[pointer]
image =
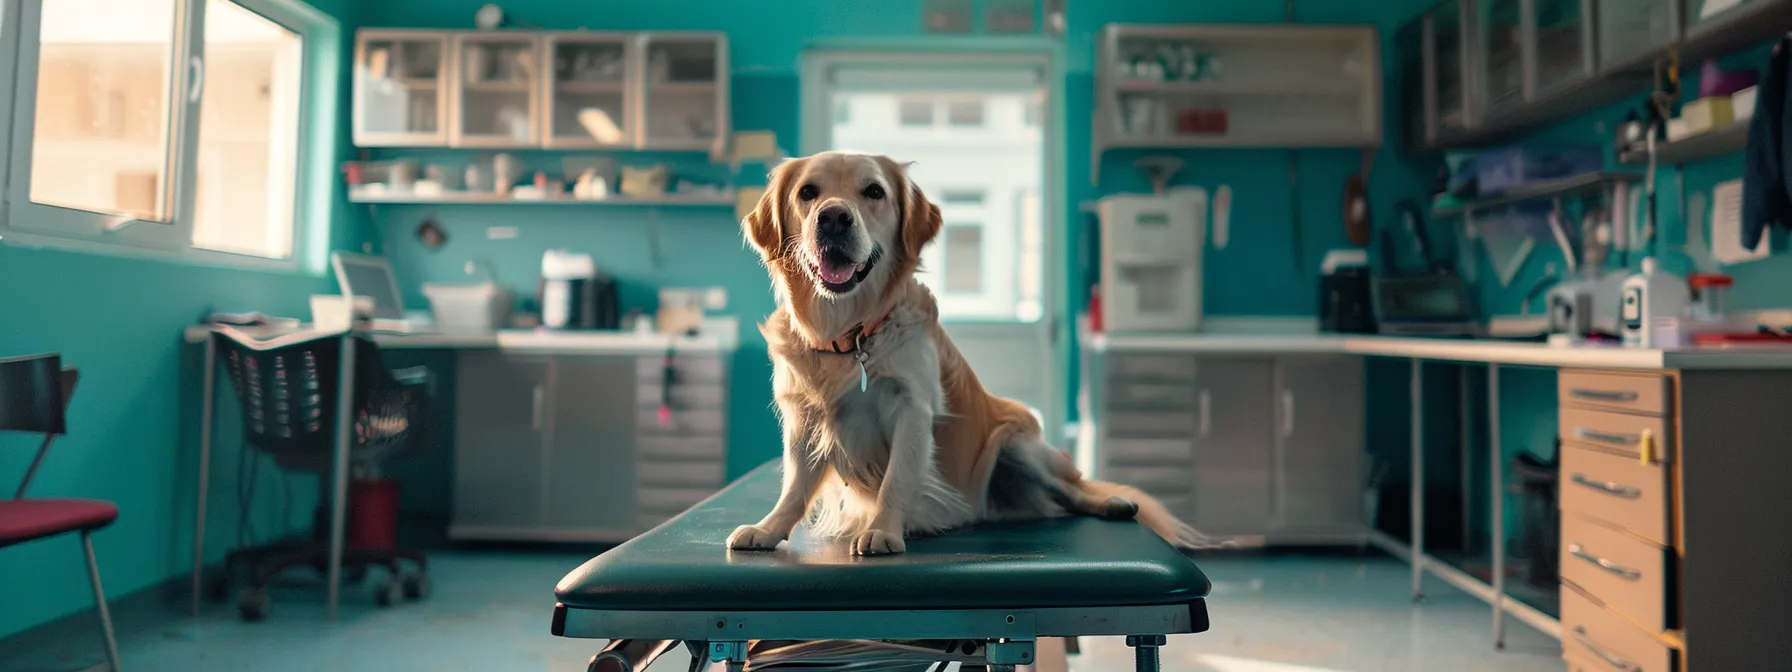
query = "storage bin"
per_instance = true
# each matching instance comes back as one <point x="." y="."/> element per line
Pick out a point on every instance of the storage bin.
<point x="477" y="308"/>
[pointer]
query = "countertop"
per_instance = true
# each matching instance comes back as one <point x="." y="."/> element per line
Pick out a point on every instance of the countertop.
<point x="1486" y="351"/>
<point x="539" y="341"/>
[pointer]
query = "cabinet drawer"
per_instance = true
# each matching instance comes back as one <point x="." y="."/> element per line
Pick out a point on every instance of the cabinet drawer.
<point x="1151" y="394"/>
<point x="1151" y="367"/>
<point x="1634" y="393"/>
<point x="670" y="501"/>
<point x="684" y="395"/>
<point x="1628" y="574"/>
<point x="1157" y="480"/>
<point x="679" y="474"/>
<point x="1615" y="431"/>
<point x="1590" y="633"/>
<point x="686" y="422"/>
<point x="697" y="448"/>
<point x="1617" y="490"/>
<point x="1150" y="424"/>
<point x="1156" y="451"/>
<point x="686" y="369"/>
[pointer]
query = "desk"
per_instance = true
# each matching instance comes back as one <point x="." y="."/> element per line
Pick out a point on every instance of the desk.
<point x="1714" y="415"/>
<point x="522" y="479"/>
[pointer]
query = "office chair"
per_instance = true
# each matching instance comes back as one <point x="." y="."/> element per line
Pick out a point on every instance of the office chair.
<point x="34" y="395"/>
<point x="287" y="391"/>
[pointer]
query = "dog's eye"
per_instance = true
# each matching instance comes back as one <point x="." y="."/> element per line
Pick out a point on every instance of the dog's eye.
<point x="808" y="192"/>
<point x="875" y="192"/>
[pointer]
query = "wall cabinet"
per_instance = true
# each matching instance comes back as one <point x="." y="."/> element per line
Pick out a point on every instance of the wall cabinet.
<point x="1245" y="446"/>
<point x="573" y="448"/>
<point x="542" y="89"/>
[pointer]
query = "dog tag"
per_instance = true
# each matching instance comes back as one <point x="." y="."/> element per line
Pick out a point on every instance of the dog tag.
<point x="863" y="379"/>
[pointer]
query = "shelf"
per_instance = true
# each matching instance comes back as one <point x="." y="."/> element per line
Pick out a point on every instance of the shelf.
<point x="1539" y="190"/>
<point x="1233" y="140"/>
<point x="1727" y="140"/>
<point x="588" y="87"/>
<point x="484" y="198"/>
<point x="1339" y="86"/>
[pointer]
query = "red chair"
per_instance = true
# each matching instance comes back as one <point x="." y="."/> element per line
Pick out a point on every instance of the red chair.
<point x="34" y="394"/>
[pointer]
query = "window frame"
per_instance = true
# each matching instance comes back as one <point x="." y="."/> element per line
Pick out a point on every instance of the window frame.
<point x="23" y="222"/>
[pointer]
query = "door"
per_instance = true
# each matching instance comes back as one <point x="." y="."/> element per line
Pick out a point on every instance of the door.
<point x="499" y="448"/>
<point x="973" y="124"/>
<point x="589" y="489"/>
<point x="1322" y="477"/>
<point x="1234" y="447"/>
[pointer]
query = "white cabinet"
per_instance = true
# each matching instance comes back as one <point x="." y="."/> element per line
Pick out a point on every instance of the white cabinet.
<point x="401" y="88"/>
<point x="587" y="90"/>
<point x="495" y="97"/>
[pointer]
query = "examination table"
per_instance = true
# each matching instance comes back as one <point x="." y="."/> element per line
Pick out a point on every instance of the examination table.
<point x="980" y="597"/>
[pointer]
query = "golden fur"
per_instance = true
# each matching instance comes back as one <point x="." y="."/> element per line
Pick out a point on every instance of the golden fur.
<point x="922" y="448"/>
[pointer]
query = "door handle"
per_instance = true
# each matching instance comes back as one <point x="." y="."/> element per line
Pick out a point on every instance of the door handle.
<point x="1602" y="395"/>
<point x="1607" y="487"/>
<point x="1610" y="567"/>
<point x="539" y="396"/>
<point x="197" y="67"/>
<point x="1580" y="633"/>
<point x="1206" y="413"/>
<point x="1287" y="413"/>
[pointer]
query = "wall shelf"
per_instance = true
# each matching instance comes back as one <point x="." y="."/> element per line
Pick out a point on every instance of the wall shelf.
<point x="1540" y="190"/>
<point x="1727" y="140"/>
<point x="483" y="198"/>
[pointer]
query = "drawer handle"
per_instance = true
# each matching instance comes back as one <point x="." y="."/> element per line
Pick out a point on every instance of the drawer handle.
<point x="1617" y="663"/>
<point x="1608" y="487"/>
<point x="536" y="399"/>
<point x="1610" y="567"/>
<point x="1626" y="440"/>
<point x="1206" y="413"/>
<point x="1602" y="395"/>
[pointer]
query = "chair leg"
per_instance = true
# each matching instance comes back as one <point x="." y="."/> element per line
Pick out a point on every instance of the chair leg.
<point x="99" y="600"/>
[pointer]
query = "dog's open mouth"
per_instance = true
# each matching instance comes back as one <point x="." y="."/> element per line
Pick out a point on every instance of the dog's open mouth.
<point x="838" y="275"/>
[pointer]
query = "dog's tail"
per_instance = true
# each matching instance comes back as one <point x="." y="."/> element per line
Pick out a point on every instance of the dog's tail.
<point x="1152" y="514"/>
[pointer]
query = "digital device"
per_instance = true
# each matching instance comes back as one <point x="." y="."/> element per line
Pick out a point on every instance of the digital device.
<point x="372" y="277"/>
<point x="1436" y="304"/>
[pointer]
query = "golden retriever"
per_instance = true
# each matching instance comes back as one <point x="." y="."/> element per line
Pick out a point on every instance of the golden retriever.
<point x="887" y="432"/>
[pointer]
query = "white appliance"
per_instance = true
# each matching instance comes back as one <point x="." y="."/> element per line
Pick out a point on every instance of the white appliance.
<point x="1151" y="260"/>
<point x="1654" y="301"/>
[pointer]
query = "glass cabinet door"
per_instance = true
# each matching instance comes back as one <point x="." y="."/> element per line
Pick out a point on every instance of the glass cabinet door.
<point x="1500" y="46"/>
<point x="1564" y="39"/>
<point x="1700" y="11"/>
<point x="1630" y="28"/>
<point x="1416" y="104"/>
<point x="684" y="87"/>
<point x="496" y="85"/>
<point x="587" y="91"/>
<point x="399" y="89"/>
<point x="1447" y="48"/>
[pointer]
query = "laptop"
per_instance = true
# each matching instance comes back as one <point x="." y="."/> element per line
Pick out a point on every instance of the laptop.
<point x="371" y="276"/>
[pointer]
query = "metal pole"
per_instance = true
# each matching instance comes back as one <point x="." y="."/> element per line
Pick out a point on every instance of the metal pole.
<point x="1497" y="483"/>
<point x="207" y="400"/>
<point x="1418" y="481"/>
<point x="99" y="600"/>
<point x="345" y="409"/>
<point x="1464" y="438"/>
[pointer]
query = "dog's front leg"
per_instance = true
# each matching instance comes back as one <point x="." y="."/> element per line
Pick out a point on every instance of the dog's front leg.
<point x="911" y="460"/>
<point x="801" y="476"/>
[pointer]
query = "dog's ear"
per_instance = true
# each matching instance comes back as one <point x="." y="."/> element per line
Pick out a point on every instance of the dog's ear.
<point x="920" y="217"/>
<point x="764" y="226"/>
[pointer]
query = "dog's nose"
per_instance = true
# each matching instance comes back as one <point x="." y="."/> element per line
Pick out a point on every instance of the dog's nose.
<point x="833" y="220"/>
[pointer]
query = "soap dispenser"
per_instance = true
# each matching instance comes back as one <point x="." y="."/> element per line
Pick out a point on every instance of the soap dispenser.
<point x="1650" y="296"/>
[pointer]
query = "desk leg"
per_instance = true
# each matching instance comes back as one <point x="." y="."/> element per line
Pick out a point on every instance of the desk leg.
<point x="1496" y="491"/>
<point x="345" y="419"/>
<point x="206" y="402"/>
<point x="1418" y="481"/>
<point x="1464" y="443"/>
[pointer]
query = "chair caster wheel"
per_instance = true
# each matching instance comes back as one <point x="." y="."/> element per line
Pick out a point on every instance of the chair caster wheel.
<point x="389" y="592"/>
<point x="253" y="605"/>
<point x="416" y="585"/>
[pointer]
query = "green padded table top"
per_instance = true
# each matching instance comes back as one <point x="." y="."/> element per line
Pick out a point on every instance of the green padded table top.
<point x="684" y="565"/>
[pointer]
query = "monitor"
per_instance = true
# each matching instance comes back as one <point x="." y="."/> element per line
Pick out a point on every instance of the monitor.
<point x="369" y="276"/>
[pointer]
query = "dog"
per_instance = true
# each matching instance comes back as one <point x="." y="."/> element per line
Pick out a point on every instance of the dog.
<point x="887" y="432"/>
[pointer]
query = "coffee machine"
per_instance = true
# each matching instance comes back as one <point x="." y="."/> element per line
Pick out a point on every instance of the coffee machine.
<point x="574" y="295"/>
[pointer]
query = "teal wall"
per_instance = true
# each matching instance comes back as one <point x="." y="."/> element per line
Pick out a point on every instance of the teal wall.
<point x="133" y="420"/>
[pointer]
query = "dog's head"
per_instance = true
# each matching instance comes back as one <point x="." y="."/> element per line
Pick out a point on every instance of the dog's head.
<point x="837" y="223"/>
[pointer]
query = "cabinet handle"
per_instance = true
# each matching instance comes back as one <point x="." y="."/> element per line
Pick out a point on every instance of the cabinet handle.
<point x="1607" y="487"/>
<point x="1610" y="567"/>
<point x="535" y="412"/>
<point x="1602" y="395"/>
<point x="1580" y="633"/>
<point x="197" y="66"/>
<point x="1287" y="413"/>
<point x="1206" y="415"/>
<point x="1625" y="440"/>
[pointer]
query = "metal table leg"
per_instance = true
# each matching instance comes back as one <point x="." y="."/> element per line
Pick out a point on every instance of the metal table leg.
<point x="1496" y="485"/>
<point x="1418" y="481"/>
<point x="207" y="401"/>
<point x="1464" y="443"/>
<point x="1144" y="648"/>
<point x="345" y="409"/>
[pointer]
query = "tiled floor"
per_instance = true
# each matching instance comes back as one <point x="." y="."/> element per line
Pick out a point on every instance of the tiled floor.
<point x="490" y="611"/>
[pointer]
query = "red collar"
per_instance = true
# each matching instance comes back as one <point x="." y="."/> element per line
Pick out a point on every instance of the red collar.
<point x="848" y="343"/>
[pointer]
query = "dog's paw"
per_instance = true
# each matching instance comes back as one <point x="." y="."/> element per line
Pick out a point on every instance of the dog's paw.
<point x="1120" y="508"/>
<point x="877" y="542"/>
<point x="752" y="538"/>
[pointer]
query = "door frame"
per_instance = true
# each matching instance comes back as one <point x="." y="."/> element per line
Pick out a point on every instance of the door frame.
<point x="816" y="113"/>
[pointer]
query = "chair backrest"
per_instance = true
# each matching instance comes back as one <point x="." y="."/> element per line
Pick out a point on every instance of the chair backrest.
<point x="288" y="393"/>
<point x="34" y="396"/>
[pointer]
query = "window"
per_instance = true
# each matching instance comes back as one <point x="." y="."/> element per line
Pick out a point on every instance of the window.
<point x="914" y="112"/>
<point x="1034" y="113"/>
<point x="965" y="197"/>
<point x="964" y="258"/>
<point x="842" y="111"/>
<point x="964" y="113"/>
<point x="142" y="126"/>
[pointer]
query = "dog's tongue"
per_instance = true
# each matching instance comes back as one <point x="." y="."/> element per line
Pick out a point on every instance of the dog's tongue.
<point x="833" y="274"/>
